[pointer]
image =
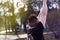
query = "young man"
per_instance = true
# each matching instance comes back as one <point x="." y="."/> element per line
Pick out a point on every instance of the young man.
<point x="36" y="28"/>
<point x="37" y="24"/>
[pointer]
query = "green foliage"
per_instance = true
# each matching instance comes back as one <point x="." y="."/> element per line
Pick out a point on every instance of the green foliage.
<point x="12" y="18"/>
<point x="0" y="3"/>
<point x="30" y="9"/>
<point x="24" y="15"/>
<point x="1" y="21"/>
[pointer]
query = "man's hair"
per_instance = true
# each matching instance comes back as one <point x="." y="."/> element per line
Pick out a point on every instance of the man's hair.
<point x="32" y="18"/>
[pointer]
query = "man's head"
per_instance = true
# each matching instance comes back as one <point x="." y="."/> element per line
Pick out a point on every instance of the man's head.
<point x="32" y="21"/>
<point x="32" y="18"/>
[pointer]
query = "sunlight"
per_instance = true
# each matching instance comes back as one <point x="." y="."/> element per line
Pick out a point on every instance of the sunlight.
<point x="26" y="8"/>
<point x="54" y="5"/>
<point x="0" y="1"/>
<point x="8" y="14"/>
<point x="2" y="32"/>
<point x="1" y="10"/>
<point x="18" y="4"/>
<point x="21" y="4"/>
<point x="5" y="1"/>
<point x="23" y="36"/>
<point x="16" y="10"/>
<point x="15" y="3"/>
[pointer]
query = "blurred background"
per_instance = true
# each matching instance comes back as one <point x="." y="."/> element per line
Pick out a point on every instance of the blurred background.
<point x="14" y="15"/>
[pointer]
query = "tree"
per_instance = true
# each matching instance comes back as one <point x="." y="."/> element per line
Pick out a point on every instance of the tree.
<point x="22" y="17"/>
<point x="25" y="14"/>
<point x="3" y="6"/>
<point x="13" y="17"/>
<point x="1" y="23"/>
<point x="10" y="19"/>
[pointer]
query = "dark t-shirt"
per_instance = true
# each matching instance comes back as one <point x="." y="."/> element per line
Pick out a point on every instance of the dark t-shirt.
<point x="37" y="32"/>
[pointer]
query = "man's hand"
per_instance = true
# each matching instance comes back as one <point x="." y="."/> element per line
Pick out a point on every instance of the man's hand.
<point x="45" y="1"/>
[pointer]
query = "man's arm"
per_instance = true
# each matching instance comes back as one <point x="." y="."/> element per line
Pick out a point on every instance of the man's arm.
<point x="43" y="13"/>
